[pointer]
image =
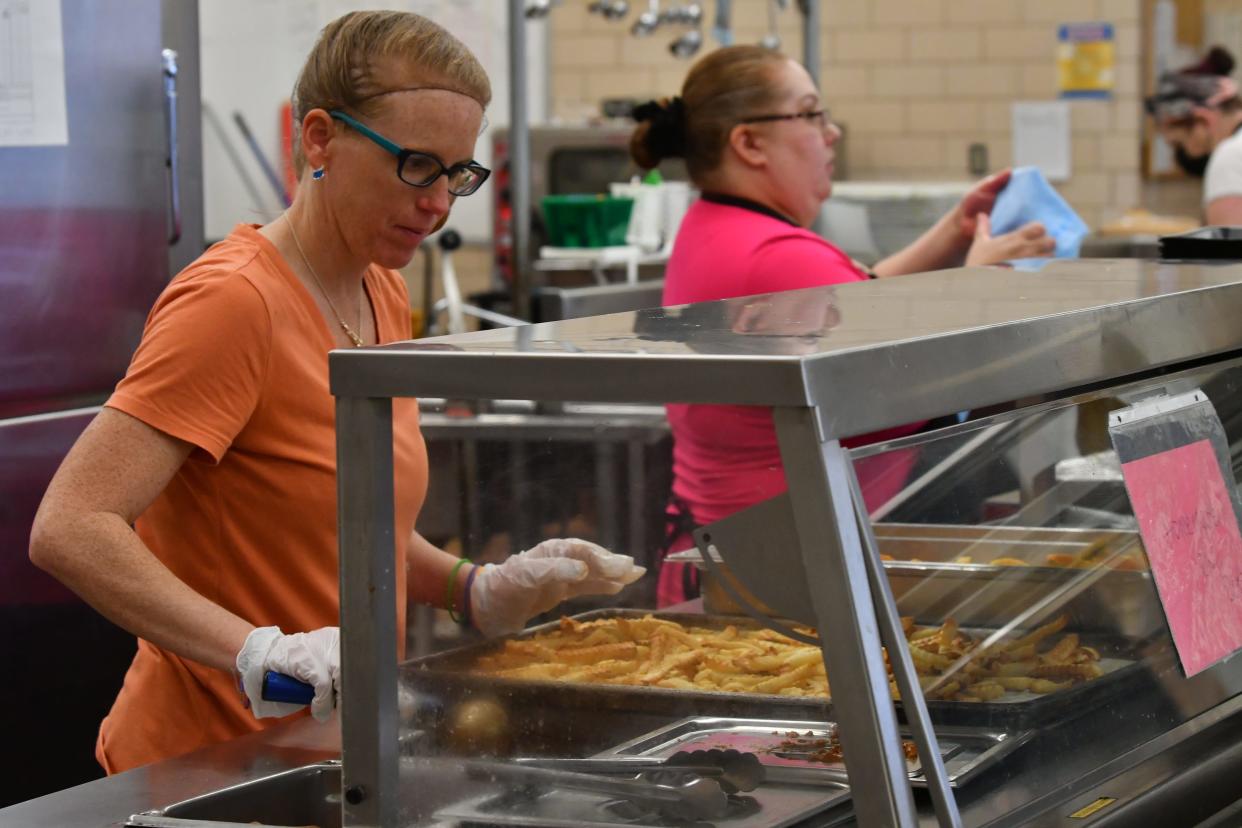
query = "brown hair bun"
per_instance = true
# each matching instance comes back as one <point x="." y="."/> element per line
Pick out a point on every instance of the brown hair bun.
<point x="1218" y="61"/>
<point x="661" y="132"/>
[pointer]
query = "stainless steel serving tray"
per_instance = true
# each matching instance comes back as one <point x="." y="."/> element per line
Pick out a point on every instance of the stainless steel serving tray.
<point x="1099" y="600"/>
<point x="443" y="678"/>
<point x="935" y="586"/>
<point x="967" y="751"/>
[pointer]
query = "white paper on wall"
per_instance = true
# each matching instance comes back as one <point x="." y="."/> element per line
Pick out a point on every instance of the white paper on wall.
<point x="32" y="74"/>
<point x="1041" y="137"/>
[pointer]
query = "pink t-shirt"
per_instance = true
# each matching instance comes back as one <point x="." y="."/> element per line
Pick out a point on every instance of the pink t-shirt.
<point x="725" y="250"/>
<point x="725" y="457"/>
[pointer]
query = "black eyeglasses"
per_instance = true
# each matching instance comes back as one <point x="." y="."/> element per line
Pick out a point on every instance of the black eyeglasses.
<point x="818" y="117"/>
<point x="418" y="169"/>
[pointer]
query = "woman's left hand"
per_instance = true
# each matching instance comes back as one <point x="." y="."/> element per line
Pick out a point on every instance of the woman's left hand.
<point x="979" y="201"/>
<point x="504" y="596"/>
<point x="1030" y="241"/>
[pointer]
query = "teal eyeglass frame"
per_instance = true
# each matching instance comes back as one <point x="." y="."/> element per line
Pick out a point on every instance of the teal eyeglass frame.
<point x="403" y="155"/>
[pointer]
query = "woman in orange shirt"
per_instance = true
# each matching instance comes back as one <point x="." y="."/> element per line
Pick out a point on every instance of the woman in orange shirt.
<point x="218" y="447"/>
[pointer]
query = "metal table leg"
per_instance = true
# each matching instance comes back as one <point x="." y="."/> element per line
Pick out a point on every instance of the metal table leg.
<point x="637" y="529"/>
<point x="424" y="618"/>
<point x="472" y="510"/>
<point x="606" y="489"/>
<point x="523" y="532"/>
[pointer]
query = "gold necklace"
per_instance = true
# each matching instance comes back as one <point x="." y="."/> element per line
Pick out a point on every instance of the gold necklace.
<point x="353" y="337"/>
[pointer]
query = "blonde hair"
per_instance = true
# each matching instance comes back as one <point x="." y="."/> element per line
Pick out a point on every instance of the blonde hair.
<point x="343" y="68"/>
<point x="721" y="89"/>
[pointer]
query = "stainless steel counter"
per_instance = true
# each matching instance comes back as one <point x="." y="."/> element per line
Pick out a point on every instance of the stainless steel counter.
<point x="1072" y="323"/>
<point x="109" y="802"/>
<point x="1136" y="246"/>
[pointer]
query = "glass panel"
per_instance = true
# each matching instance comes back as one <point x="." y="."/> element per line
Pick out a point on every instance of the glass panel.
<point x="1015" y="561"/>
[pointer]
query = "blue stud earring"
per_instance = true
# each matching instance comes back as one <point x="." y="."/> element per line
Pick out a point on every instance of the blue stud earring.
<point x="317" y="174"/>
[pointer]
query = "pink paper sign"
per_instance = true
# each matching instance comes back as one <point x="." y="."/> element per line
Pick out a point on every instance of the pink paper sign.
<point x="1189" y="528"/>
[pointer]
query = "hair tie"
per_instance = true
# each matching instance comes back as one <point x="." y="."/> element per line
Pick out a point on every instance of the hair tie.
<point x="666" y="134"/>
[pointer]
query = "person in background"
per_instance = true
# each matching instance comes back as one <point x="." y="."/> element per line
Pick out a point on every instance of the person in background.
<point x="760" y="145"/>
<point x="198" y="510"/>
<point x="1199" y="113"/>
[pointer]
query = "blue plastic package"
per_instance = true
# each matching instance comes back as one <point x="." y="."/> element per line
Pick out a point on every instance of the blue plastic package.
<point x="1029" y="197"/>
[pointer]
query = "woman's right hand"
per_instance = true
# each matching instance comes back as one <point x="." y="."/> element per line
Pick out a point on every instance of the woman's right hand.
<point x="506" y="595"/>
<point x="313" y="657"/>
<point x="1030" y="241"/>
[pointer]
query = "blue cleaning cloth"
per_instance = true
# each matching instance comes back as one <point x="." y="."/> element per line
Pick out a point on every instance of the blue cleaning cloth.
<point x="1029" y="197"/>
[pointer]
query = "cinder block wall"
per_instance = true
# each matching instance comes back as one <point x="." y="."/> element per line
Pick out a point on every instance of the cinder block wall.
<point x="914" y="81"/>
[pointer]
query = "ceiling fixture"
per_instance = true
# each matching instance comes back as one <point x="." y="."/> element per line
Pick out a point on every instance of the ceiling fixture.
<point x="690" y="14"/>
<point x="648" y="21"/>
<point x="686" y="45"/>
<point x="610" y="9"/>
<point x="772" y="40"/>
<point x="538" y="9"/>
<point x="721" y="29"/>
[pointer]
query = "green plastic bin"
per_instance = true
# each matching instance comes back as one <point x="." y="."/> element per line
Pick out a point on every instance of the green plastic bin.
<point x="586" y="220"/>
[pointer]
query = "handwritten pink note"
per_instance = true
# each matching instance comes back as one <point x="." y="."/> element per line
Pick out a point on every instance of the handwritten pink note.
<point x="1188" y="525"/>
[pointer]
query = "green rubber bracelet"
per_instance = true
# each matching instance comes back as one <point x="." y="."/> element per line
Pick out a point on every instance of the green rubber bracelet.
<point x="448" y="592"/>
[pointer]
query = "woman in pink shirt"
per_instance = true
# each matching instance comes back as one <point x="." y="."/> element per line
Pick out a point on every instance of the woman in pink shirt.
<point x="760" y="145"/>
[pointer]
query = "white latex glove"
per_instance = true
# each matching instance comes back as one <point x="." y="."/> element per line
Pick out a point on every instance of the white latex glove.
<point x="313" y="657"/>
<point x="504" y="596"/>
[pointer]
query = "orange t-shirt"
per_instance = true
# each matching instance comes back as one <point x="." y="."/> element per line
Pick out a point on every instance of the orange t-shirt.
<point x="234" y="359"/>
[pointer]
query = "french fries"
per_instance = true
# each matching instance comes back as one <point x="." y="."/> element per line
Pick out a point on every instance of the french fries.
<point x="655" y="652"/>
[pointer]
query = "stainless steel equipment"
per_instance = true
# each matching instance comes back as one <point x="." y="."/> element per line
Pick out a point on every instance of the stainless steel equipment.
<point x="512" y="227"/>
<point x="552" y="303"/>
<point x="888" y="353"/>
<point x="89" y="234"/>
<point x="563" y="159"/>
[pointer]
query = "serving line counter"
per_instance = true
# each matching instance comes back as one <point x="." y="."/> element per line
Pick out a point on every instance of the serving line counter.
<point x="832" y="363"/>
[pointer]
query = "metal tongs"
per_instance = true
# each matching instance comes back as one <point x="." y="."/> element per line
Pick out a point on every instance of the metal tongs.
<point x="693" y="799"/>
<point x="733" y="770"/>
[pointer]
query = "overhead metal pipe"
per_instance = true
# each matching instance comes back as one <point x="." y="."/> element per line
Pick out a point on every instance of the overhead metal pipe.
<point x="811" y="21"/>
<point x="519" y="159"/>
<point x="722" y="30"/>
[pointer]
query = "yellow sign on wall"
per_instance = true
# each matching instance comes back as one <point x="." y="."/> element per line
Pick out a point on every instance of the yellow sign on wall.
<point x="1086" y="60"/>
